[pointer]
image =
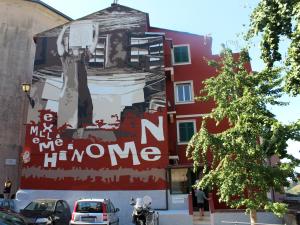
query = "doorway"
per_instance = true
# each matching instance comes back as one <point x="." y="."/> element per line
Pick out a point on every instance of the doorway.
<point x="193" y="177"/>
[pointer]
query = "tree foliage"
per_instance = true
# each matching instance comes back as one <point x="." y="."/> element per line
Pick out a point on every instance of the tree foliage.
<point x="239" y="167"/>
<point x="276" y="19"/>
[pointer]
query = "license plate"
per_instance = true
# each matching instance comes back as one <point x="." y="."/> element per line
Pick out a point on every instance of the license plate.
<point x="88" y="219"/>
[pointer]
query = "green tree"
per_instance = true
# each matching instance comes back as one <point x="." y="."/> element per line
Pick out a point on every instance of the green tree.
<point x="239" y="167"/>
<point x="277" y="20"/>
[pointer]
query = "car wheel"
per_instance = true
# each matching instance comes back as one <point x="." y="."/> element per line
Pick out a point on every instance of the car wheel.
<point x="140" y="222"/>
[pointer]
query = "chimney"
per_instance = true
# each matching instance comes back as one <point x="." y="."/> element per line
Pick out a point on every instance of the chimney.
<point x="115" y="3"/>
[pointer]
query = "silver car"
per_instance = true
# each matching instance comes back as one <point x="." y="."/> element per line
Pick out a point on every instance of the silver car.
<point x="94" y="211"/>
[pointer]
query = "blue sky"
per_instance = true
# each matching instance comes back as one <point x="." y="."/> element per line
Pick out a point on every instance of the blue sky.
<point x="223" y="20"/>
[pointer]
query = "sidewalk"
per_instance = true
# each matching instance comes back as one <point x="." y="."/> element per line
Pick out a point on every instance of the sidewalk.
<point x="201" y="220"/>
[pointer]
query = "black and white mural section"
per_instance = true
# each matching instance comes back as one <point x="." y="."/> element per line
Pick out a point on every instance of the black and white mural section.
<point x="89" y="78"/>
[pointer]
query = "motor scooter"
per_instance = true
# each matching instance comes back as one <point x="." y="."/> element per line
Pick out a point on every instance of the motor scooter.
<point x="142" y="213"/>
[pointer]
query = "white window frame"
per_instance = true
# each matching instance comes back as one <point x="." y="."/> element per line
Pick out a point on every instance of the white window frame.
<point x="189" y="53"/>
<point x="178" y="134"/>
<point x="192" y="92"/>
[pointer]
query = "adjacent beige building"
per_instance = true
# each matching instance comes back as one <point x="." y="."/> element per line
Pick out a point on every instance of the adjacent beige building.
<point x="20" y="20"/>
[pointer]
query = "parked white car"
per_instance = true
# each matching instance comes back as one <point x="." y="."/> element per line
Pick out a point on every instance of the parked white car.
<point x="94" y="211"/>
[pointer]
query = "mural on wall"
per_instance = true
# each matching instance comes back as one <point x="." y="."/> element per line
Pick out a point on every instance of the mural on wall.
<point x="99" y="120"/>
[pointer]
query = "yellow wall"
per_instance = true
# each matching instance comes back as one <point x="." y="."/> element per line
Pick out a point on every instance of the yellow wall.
<point x="20" y="20"/>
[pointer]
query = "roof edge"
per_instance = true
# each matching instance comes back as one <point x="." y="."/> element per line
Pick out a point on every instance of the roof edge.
<point x="183" y="32"/>
<point x="116" y="5"/>
<point x="112" y="6"/>
<point x="51" y="8"/>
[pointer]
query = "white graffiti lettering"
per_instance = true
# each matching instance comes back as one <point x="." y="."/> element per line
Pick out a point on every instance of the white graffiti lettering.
<point x="48" y="117"/>
<point x="150" y="151"/>
<point x="52" y="160"/>
<point x="47" y="128"/>
<point x="95" y="151"/>
<point x="49" y="144"/>
<point x="62" y="155"/>
<point x="59" y="142"/>
<point x="35" y="140"/>
<point x="156" y="131"/>
<point x="77" y="155"/>
<point x="34" y="130"/>
<point x="129" y="147"/>
<point x="91" y="154"/>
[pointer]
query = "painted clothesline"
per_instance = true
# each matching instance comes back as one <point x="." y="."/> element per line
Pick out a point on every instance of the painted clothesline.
<point x="94" y="81"/>
<point x="43" y="76"/>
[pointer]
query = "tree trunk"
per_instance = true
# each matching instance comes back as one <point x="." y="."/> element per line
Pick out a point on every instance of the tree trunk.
<point x="253" y="218"/>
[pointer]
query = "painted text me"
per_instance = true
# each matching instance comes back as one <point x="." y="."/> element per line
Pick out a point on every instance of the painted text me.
<point x="55" y="149"/>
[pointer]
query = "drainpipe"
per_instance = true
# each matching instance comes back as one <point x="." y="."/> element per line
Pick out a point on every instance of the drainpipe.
<point x="190" y="202"/>
<point x="167" y="202"/>
<point x="211" y="203"/>
<point x="272" y="189"/>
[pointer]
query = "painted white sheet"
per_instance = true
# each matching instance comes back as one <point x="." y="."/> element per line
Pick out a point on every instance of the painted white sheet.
<point x="81" y="34"/>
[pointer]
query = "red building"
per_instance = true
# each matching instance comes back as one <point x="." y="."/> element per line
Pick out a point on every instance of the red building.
<point x="186" y="68"/>
<point x="114" y="110"/>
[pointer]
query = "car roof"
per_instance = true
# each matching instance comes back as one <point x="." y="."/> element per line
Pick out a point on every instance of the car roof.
<point x="92" y="200"/>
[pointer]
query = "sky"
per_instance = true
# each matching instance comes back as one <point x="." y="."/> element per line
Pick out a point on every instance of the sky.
<point x="224" y="21"/>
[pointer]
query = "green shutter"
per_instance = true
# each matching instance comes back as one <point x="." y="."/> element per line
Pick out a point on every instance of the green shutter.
<point x="186" y="131"/>
<point x="181" y="54"/>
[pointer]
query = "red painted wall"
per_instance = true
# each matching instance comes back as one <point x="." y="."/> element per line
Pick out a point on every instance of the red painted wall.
<point x="197" y="71"/>
<point x="50" y="160"/>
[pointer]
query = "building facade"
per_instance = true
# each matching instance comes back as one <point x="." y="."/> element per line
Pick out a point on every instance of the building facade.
<point x="19" y="20"/>
<point x="114" y="110"/>
<point x="186" y="69"/>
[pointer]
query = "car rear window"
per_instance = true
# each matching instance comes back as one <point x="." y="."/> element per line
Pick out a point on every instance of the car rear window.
<point x="91" y="207"/>
<point x="41" y="205"/>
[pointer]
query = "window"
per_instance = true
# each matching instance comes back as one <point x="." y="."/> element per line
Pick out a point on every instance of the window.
<point x="47" y="205"/>
<point x="112" y="207"/>
<point x="181" y="55"/>
<point x="184" y="92"/>
<point x="147" y="50"/>
<point x="109" y="208"/>
<point x="66" y="207"/>
<point x="179" y="181"/>
<point x="98" y="57"/>
<point x="41" y="53"/>
<point x="60" y="207"/>
<point x="89" y="206"/>
<point x="185" y="131"/>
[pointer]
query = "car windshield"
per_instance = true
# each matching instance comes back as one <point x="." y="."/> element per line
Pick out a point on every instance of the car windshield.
<point x="91" y="207"/>
<point x="41" y="205"/>
<point x="11" y="219"/>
